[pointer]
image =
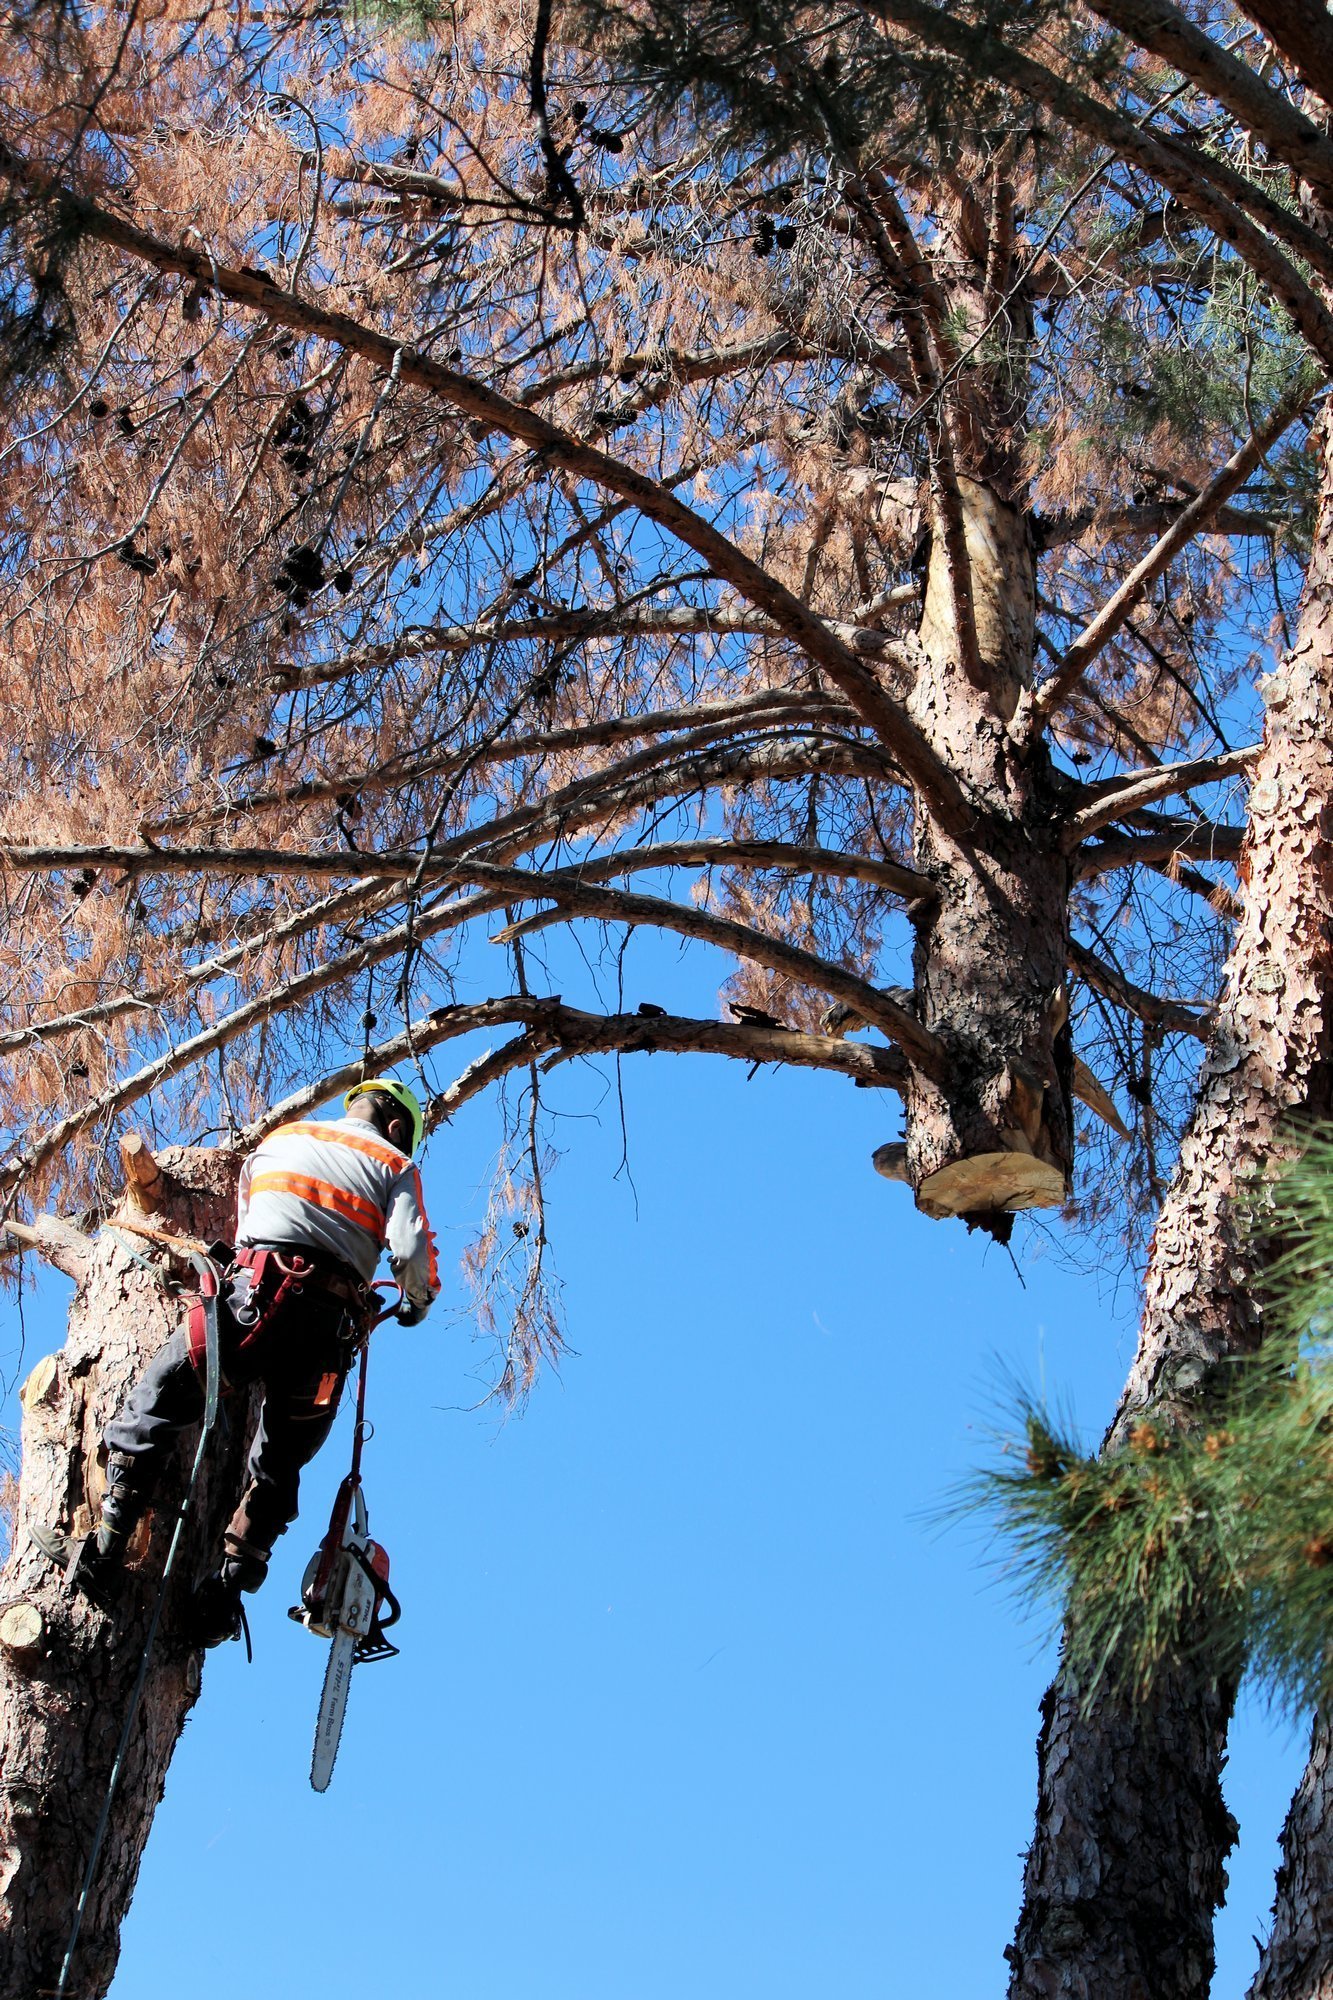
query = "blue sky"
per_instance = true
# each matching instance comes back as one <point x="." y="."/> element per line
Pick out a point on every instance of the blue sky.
<point x="691" y="1698"/>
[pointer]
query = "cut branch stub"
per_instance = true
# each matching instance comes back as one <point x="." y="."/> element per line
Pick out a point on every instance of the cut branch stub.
<point x="988" y="1182"/>
<point x="145" y="1183"/>
<point x="22" y="1629"/>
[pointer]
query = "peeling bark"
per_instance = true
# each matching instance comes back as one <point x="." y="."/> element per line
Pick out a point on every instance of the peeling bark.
<point x="66" y="1669"/>
<point x="1127" y="1868"/>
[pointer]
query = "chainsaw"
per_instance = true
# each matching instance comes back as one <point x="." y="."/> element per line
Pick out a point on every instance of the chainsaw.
<point x="345" y="1597"/>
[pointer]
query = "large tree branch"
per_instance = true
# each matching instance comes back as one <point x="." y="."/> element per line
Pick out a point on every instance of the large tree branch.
<point x="1152" y="518"/>
<point x="555" y="447"/>
<point x="1119" y="797"/>
<point x="1181" y="840"/>
<point x="55" y="1240"/>
<point x="551" y="1025"/>
<point x="417" y="864"/>
<point x="1192" y="520"/>
<point x="1272" y="118"/>
<point x="631" y="622"/>
<point x="1298" y="30"/>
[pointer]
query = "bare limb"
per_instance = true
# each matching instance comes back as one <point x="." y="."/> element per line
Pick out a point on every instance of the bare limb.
<point x="55" y="1240"/>
<point x="410" y="863"/>
<point x="1192" y="520"/>
<point x="1172" y="1016"/>
<point x="1121" y="796"/>
<point x="550" y="1025"/>
<point x="634" y="622"/>
<point x="1180" y="840"/>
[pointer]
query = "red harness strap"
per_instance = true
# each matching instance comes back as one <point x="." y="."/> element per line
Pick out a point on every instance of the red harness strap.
<point x="273" y="1278"/>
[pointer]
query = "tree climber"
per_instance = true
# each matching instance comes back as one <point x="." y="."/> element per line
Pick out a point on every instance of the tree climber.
<point x="316" y="1203"/>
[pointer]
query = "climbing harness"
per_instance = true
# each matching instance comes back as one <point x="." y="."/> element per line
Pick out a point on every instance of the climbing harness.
<point x="345" y="1594"/>
<point x="208" y="1275"/>
<point x="273" y="1278"/>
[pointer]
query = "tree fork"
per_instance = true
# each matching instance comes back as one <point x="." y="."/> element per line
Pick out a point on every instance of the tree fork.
<point x="64" y="1684"/>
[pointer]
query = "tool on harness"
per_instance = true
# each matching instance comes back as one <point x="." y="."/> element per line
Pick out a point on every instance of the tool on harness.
<point x="345" y="1596"/>
<point x="258" y="1282"/>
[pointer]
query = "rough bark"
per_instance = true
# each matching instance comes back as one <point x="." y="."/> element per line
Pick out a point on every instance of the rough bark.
<point x="66" y="1669"/>
<point x="1127" y="1867"/>
<point x="994" y="1132"/>
<point x="1297" y="1963"/>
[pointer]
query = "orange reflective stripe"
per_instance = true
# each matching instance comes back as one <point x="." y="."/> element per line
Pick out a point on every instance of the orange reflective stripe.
<point x="388" y="1156"/>
<point x="433" y="1270"/>
<point x="323" y="1194"/>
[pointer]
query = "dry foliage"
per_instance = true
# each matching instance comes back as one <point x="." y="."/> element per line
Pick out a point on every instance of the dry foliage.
<point x="370" y="526"/>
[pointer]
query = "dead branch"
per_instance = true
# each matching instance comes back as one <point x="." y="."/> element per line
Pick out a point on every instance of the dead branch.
<point x="56" y="1241"/>
<point x="1119" y="797"/>
<point x="1172" y="1016"/>
<point x="557" y="447"/>
<point x="1191" y="520"/>
<point x="550" y="1025"/>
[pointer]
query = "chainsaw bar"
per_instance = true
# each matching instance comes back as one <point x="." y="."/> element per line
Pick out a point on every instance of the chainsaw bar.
<point x="332" y="1708"/>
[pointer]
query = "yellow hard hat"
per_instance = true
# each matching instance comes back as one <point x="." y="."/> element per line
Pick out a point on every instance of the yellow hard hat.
<point x="400" y="1094"/>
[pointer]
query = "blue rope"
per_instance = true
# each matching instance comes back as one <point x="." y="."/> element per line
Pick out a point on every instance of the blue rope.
<point x="208" y="1271"/>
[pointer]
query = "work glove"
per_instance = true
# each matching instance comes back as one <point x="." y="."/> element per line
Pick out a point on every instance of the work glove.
<point x="410" y="1314"/>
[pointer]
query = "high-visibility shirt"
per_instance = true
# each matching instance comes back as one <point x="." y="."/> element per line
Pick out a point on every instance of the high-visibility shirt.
<point x="335" y="1185"/>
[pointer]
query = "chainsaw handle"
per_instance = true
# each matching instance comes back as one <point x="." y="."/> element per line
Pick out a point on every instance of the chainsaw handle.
<point x="380" y="1588"/>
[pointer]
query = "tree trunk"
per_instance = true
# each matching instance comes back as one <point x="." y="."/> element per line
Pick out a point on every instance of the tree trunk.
<point x="64" y="1684"/>
<point x="1297" y="1963"/>
<point x="994" y="1132"/>
<point x="1127" y="1867"/>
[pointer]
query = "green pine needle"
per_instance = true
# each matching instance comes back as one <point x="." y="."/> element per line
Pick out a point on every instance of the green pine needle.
<point x="1210" y="1544"/>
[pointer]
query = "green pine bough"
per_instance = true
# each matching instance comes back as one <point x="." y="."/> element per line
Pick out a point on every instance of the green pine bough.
<point x="1203" y="1535"/>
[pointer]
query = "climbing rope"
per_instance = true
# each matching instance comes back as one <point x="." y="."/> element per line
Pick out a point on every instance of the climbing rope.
<point x="210" y="1278"/>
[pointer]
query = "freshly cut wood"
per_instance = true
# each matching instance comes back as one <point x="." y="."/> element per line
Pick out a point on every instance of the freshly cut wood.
<point x="22" y="1629"/>
<point x="991" y="1181"/>
<point x="39" y="1383"/>
<point x="144" y="1180"/>
<point x="1090" y="1090"/>
<point x="58" y="1241"/>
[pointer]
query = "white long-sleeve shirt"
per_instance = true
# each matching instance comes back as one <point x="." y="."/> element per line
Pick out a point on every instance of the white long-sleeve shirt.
<point x="335" y="1185"/>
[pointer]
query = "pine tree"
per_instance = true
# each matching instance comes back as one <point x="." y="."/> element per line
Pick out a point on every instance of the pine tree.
<point x="448" y="481"/>
<point x="1223" y="119"/>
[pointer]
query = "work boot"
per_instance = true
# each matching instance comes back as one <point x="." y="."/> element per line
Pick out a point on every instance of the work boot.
<point x="245" y="1562"/>
<point x="93" y="1563"/>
